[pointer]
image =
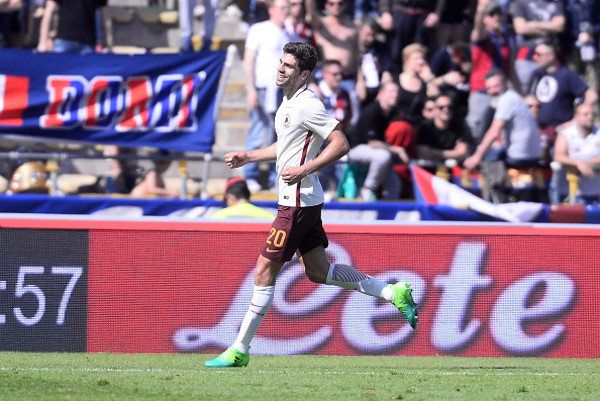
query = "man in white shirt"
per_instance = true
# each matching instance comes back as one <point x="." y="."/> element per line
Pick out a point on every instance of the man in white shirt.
<point x="261" y="51"/>
<point x="302" y="125"/>
<point x="577" y="147"/>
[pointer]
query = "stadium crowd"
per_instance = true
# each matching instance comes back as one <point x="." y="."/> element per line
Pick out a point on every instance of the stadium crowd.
<point x="464" y="88"/>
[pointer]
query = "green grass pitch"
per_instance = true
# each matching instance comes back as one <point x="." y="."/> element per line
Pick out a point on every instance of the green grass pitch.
<point x="125" y="377"/>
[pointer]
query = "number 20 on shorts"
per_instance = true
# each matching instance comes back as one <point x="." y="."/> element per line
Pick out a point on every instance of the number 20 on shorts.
<point x="276" y="237"/>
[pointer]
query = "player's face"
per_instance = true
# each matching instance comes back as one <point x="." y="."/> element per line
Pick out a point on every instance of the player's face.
<point x="288" y="74"/>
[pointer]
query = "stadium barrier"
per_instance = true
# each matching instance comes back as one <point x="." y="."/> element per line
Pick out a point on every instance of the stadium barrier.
<point x="164" y="286"/>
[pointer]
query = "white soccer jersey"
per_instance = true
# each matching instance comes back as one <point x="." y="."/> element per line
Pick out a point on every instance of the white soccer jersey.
<point x="302" y="125"/>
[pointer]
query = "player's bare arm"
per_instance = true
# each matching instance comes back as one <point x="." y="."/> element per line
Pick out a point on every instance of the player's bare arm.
<point x="239" y="159"/>
<point x="337" y="148"/>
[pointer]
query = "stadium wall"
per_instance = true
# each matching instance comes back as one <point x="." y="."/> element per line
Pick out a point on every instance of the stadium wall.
<point x="160" y="286"/>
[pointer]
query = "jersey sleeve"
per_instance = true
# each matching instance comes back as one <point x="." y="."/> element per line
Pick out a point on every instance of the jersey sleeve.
<point x="318" y="121"/>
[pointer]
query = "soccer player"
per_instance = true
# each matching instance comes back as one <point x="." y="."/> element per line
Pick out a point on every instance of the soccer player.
<point x="302" y="125"/>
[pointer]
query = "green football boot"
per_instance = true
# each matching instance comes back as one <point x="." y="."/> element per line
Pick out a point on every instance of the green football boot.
<point x="403" y="300"/>
<point x="230" y="358"/>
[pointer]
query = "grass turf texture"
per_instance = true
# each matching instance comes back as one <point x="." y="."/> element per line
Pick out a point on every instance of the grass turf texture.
<point x="57" y="376"/>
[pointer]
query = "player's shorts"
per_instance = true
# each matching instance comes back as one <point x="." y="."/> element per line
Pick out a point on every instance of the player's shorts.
<point x="294" y="229"/>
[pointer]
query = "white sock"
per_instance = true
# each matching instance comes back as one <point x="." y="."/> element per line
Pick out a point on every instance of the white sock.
<point x="348" y="277"/>
<point x="262" y="298"/>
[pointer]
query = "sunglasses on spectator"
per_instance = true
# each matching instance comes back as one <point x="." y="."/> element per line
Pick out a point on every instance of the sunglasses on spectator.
<point x="444" y="107"/>
<point x="335" y="3"/>
<point x="537" y="106"/>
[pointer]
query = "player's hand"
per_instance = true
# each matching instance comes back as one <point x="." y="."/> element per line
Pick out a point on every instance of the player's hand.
<point x="236" y="159"/>
<point x="292" y="175"/>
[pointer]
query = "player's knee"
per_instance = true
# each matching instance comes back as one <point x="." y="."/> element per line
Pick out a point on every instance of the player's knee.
<point x="266" y="272"/>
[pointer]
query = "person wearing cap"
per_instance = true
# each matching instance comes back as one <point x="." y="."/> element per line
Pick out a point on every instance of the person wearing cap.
<point x="490" y="50"/>
<point x="237" y="199"/>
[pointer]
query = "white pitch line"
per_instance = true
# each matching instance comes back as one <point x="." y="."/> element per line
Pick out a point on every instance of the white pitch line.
<point x="238" y="371"/>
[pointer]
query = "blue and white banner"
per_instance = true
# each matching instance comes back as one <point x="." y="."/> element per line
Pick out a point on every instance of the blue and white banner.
<point x="158" y="100"/>
<point x="204" y="208"/>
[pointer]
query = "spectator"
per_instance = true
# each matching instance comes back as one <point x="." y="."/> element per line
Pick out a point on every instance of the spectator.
<point x="491" y="49"/>
<point x="454" y="57"/>
<point x="123" y="171"/>
<point x="443" y="137"/>
<point x="452" y="22"/>
<point x="547" y="132"/>
<point x="339" y="105"/>
<point x="237" y="200"/>
<point x="406" y="22"/>
<point x="338" y="102"/>
<point x="186" y="22"/>
<point x="416" y="82"/>
<point x="428" y="109"/>
<point x="578" y="147"/>
<point x="369" y="148"/>
<point x="76" y="31"/>
<point x="580" y="37"/>
<point x="535" y="22"/>
<point x="297" y="21"/>
<point x="557" y="87"/>
<point x="263" y="50"/>
<point x="14" y="18"/>
<point x="336" y="37"/>
<point x="373" y="57"/>
<point x="153" y="183"/>
<point x="519" y="147"/>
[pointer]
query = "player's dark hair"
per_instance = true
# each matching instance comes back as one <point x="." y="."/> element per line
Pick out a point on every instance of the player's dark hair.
<point x="305" y="55"/>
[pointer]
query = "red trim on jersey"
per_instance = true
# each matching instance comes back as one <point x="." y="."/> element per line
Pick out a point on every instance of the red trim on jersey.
<point x="299" y="93"/>
<point x="302" y="160"/>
